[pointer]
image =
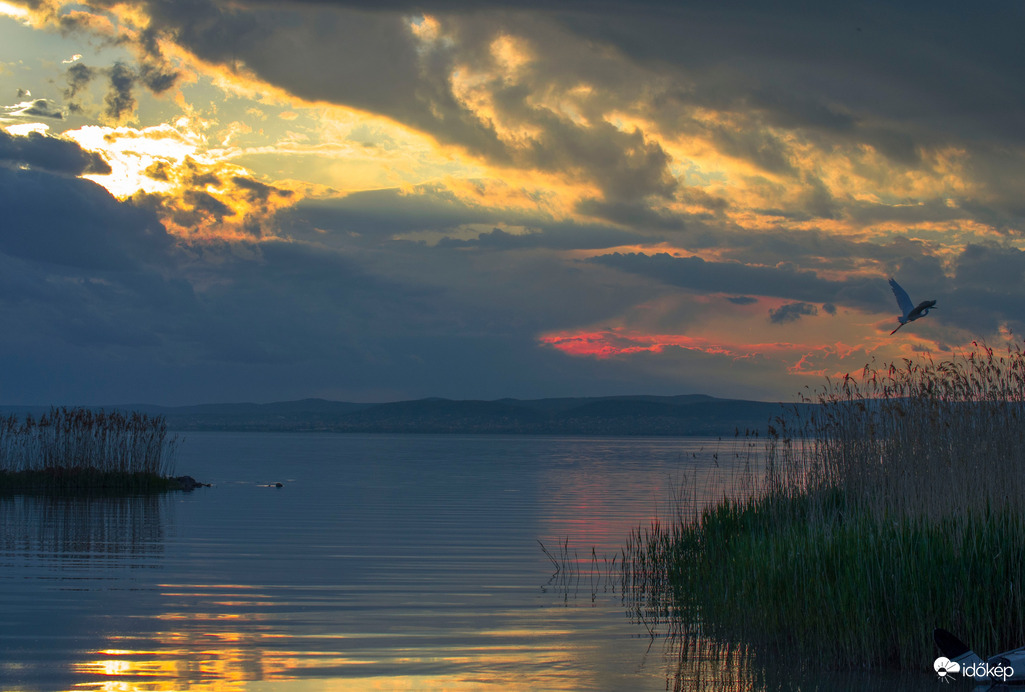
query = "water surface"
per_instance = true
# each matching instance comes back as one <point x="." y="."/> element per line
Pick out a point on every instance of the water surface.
<point x="383" y="562"/>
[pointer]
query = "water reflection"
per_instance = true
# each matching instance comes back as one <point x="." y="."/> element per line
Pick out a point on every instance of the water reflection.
<point x="692" y="663"/>
<point x="61" y="529"/>
<point x="59" y="558"/>
<point x="383" y="563"/>
<point x="698" y="665"/>
<point x="584" y="574"/>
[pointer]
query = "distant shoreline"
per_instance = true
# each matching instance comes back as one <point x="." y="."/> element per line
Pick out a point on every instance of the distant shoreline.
<point x="690" y="415"/>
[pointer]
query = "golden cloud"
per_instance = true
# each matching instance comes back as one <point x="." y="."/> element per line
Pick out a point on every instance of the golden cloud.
<point x="196" y="194"/>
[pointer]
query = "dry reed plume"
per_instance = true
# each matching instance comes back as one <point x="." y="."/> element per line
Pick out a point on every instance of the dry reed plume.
<point x="892" y="503"/>
<point x="920" y="439"/>
<point x="75" y="441"/>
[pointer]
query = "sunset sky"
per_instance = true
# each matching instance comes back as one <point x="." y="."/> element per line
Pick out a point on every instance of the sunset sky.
<point x="253" y="201"/>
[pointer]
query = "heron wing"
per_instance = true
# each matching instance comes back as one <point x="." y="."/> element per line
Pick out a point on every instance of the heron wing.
<point x="903" y="299"/>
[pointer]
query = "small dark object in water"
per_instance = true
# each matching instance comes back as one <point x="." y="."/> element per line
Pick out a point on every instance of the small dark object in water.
<point x="190" y="483"/>
<point x="273" y="485"/>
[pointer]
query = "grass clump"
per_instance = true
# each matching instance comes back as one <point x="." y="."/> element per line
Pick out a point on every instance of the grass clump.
<point x="81" y="450"/>
<point x="893" y="506"/>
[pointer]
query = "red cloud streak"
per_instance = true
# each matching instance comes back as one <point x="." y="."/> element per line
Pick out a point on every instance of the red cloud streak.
<point x="608" y="343"/>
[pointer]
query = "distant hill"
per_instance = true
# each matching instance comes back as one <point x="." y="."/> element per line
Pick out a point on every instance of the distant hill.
<point x="692" y="414"/>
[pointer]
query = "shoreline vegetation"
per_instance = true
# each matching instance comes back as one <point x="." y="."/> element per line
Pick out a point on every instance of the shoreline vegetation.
<point x="894" y="506"/>
<point x="78" y="450"/>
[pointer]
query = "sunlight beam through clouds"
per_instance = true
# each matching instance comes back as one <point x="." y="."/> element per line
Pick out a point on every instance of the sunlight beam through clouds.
<point x="132" y="152"/>
<point x="10" y="9"/>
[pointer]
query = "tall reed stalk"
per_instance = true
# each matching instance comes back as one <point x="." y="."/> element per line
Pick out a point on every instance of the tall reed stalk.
<point x="82" y="439"/>
<point x="894" y="505"/>
<point x="915" y="439"/>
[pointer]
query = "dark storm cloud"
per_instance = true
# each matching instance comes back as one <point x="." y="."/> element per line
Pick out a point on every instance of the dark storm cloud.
<point x="50" y="153"/>
<point x="931" y="63"/>
<point x="623" y="164"/>
<point x="72" y="222"/>
<point x="377" y="64"/>
<point x="255" y="190"/>
<point x="43" y="108"/>
<point x="242" y="319"/>
<point x="384" y="213"/>
<point x="823" y="67"/>
<point x="557" y="236"/>
<point x="987" y="289"/>
<point x="763" y="149"/>
<point x="898" y="78"/>
<point x="791" y="312"/>
<point x="370" y="55"/>
<point x="281" y="303"/>
<point x="981" y="267"/>
<point x="188" y="208"/>
<point x="120" y="100"/>
<point x="634" y="214"/>
<point x="379" y="215"/>
<point x="725" y="277"/>
<point x="88" y="279"/>
<point x="155" y="72"/>
<point x="78" y="78"/>
<point x="812" y="249"/>
<point x="345" y="305"/>
<point x="205" y="203"/>
<point x="158" y="78"/>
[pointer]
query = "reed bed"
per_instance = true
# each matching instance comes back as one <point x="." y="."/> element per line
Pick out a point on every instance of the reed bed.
<point x="894" y="505"/>
<point x="919" y="438"/>
<point x="69" y="448"/>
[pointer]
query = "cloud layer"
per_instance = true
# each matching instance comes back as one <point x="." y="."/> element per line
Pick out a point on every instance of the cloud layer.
<point x="260" y="200"/>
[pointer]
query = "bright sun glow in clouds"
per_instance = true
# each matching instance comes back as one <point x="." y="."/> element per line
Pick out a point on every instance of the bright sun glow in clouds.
<point x="137" y="156"/>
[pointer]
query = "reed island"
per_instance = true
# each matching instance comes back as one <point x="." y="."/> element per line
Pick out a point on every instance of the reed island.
<point x="893" y="504"/>
<point x="80" y="450"/>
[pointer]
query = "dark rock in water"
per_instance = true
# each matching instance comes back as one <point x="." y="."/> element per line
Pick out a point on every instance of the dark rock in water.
<point x="190" y="483"/>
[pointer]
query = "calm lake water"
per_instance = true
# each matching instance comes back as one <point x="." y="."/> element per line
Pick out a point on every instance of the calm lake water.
<point x="384" y="562"/>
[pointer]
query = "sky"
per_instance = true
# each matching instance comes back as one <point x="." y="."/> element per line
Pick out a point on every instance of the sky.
<point x="371" y="201"/>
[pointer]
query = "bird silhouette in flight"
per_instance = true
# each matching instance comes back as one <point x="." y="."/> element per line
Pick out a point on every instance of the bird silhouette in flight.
<point x="909" y="311"/>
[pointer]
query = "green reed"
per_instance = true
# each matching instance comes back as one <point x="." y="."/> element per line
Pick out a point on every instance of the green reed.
<point x="894" y="505"/>
<point x="69" y="447"/>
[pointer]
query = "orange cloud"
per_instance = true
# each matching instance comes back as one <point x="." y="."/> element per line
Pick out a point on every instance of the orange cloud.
<point x="803" y="360"/>
<point x="608" y="343"/>
<point x="197" y="194"/>
<point x="217" y="202"/>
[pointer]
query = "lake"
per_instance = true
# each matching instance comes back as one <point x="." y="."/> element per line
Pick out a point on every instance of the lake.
<point x="391" y="562"/>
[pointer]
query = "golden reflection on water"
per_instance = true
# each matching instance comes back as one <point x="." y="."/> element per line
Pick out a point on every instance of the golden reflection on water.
<point x="225" y="643"/>
<point x="316" y="635"/>
<point x="236" y="661"/>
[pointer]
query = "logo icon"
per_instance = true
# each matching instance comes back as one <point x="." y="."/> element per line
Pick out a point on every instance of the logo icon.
<point x="944" y="667"/>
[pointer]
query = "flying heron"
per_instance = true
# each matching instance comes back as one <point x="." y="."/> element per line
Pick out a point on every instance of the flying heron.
<point x="911" y="312"/>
